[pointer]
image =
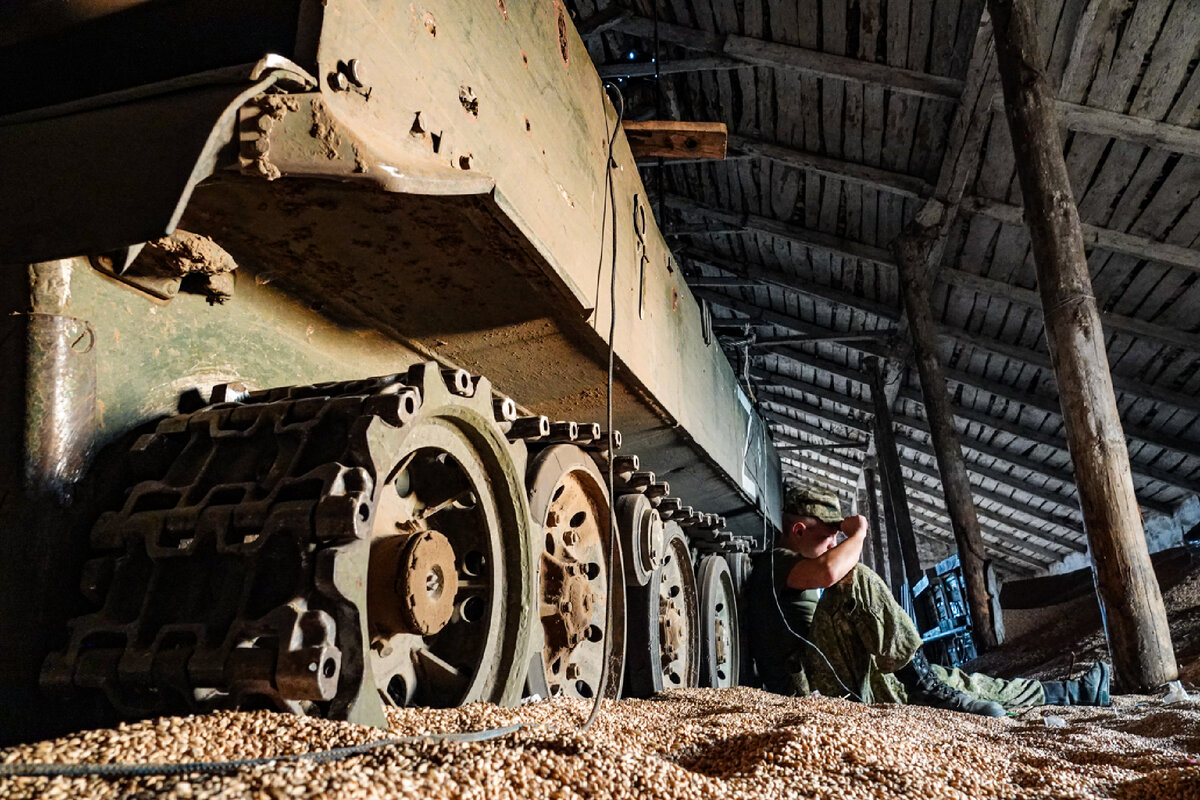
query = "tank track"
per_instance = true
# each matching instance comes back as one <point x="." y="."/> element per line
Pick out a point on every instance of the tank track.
<point x="217" y="582"/>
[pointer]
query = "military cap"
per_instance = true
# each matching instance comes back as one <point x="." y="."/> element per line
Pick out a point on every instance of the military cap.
<point x="812" y="501"/>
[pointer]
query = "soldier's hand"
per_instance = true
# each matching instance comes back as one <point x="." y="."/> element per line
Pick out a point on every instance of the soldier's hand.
<point x="853" y="526"/>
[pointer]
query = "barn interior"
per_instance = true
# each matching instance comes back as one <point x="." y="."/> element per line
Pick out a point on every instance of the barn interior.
<point x="404" y="399"/>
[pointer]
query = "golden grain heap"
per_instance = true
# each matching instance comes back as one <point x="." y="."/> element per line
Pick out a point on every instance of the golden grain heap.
<point x="708" y="744"/>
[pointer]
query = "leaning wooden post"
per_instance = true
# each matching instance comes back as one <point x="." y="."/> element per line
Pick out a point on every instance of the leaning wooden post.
<point x="913" y="252"/>
<point x="895" y="563"/>
<point x="889" y="463"/>
<point x="868" y="558"/>
<point x="1135" y="619"/>
<point x="873" y="519"/>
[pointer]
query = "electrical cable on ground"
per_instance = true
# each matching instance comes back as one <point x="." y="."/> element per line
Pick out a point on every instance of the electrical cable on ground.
<point x="792" y="631"/>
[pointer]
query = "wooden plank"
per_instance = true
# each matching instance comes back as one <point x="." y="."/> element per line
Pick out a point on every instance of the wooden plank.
<point x="1136" y="624"/>
<point x="843" y="471"/>
<point x="1041" y="556"/>
<point x="1015" y="563"/>
<point x="827" y="243"/>
<point x="1146" y="132"/>
<point x="676" y="139"/>
<point x="1030" y="356"/>
<point x="648" y="69"/>
<point x="1012" y="505"/>
<point x="813" y="62"/>
<point x="1114" y="322"/>
<point x="602" y="21"/>
<point x="1047" y="404"/>
<point x="847" y="170"/>
<point x="1095" y="236"/>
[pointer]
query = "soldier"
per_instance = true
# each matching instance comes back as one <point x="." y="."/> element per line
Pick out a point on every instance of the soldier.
<point x="842" y="633"/>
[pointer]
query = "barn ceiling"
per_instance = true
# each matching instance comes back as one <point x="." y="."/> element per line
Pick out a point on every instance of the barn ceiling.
<point x="844" y="117"/>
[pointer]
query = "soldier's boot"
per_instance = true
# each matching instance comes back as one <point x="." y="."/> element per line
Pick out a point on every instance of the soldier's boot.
<point x="926" y="689"/>
<point x="1089" y="690"/>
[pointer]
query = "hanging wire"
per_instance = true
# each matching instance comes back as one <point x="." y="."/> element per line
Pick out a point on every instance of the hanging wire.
<point x="610" y="206"/>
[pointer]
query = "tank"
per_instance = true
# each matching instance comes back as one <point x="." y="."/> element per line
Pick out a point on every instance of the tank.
<point x="309" y="354"/>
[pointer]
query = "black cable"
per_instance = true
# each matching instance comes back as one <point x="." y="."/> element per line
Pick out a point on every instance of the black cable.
<point x="610" y="206"/>
<point x="792" y="631"/>
<point x="125" y="770"/>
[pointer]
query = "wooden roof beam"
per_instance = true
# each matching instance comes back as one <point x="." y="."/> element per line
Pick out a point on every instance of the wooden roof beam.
<point x="1004" y="391"/>
<point x="895" y="182"/>
<point x="998" y="521"/>
<point x="755" y="275"/>
<point x="1066" y="502"/>
<point x="764" y="53"/>
<point x="914" y="467"/>
<point x="933" y="520"/>
<point x="997" y="538"/>
<point x="990" y="451"/>
<point x="1112" y="322"/>
<point x="1094" y="236"/>
<point x="910" y="186"/>
<point x="1138" y="130"/>
<point x="1011" y="504"/>
<point x="648" y="69"/>
<point x="1006" y="562"/>
<point x="602" y="21"/>
<point x="845" y="248"/>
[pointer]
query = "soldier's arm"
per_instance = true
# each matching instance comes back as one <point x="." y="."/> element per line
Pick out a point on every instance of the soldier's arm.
<point x="835" y="563"/>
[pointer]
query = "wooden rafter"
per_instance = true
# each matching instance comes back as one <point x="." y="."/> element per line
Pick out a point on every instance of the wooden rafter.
<point x="917" y="471"/>
<point x="1006" y="540"/>
<point x="844" y="248"/>
<point x="851" y="404"/>
<point x="904" y="185"/>
<point x="995" y="388"/>
<point x="760" y="275"/>
<point x="996" y="523"/>
<point x="761" y="52"/>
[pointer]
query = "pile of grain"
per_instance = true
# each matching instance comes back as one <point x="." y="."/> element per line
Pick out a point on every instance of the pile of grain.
<point x="685" y="744"/>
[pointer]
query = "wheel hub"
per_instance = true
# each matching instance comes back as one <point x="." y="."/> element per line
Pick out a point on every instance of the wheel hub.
<point x="569" y="598"/>
<point x="671" y="630"/>
<point x="427" y="582"/>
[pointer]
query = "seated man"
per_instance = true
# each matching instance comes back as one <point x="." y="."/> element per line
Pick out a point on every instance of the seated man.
<point x="843" y="634"/>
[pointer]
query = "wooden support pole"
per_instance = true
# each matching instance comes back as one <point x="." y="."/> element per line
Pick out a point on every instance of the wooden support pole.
<point x="873" y="519"/>
<point x="895" y="561"/>
<point x="913" y="250"/>
<point x="868" y="553"/>
<point x="1135" y="618"/>
<point x="893" y="478"/>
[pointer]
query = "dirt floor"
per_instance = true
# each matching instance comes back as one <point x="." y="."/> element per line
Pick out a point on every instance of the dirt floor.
<point x="700" y="743"/>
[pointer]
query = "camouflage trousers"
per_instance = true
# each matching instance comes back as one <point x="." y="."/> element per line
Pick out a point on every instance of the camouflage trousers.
<point x="865" y="636"/>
